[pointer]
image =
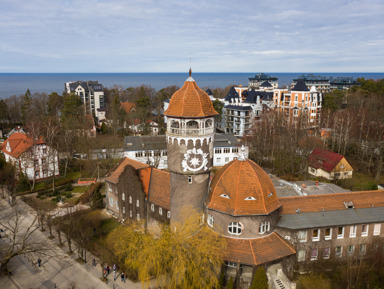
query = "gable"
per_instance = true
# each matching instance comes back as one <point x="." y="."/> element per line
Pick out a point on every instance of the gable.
<point x="343" y="166"/>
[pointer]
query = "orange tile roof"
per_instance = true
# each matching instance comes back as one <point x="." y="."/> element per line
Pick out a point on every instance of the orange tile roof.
<point x="240" y="180"/>
<point x="331" y="202"/>
<point x="145" y="177"/>
<point x="258" y="251"/>
<point x="128" y="106"/>
<point x="114" y="174"/>
<point x="19" y="143"/>
<point x="190" y="101"/>
<point x="159" y="189"/>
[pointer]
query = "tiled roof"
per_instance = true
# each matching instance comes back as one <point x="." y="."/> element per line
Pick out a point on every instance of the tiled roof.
<point x="324" y="159"/>
<point x="114" y="174"/>
<point x="190" y="101"/>
<point x="159" y="189"/>
<point x="127" y="106"/>
<point x="331" y="202"/>
<point x="300" y="86"/>
<point x="258" y="251"/>
<point x="19" y="143"/>
<point x="232" y="95"/>
<point x="237" y="181"/>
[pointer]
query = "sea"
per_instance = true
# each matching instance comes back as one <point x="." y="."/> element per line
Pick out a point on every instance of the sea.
<point x="18" y="83"/>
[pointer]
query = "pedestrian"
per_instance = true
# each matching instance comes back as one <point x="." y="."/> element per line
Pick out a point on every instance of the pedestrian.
<point x="114" y="267"/>
<point x="94" y="262"/>
<point x="105" y="271"/>
<point x="39" y="262"/>
<point x="108" y="269"/>
<point x="122" y="277"/>
<point x="114" y="275"/>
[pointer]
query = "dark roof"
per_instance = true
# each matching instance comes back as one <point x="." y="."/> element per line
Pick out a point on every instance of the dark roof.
<point x="251" y="96"/>
<point x="158" y="142"/>
<point x="300" y="86"/>
<point x="238" y="107"/>
<point x="263" y="76"/>
<point x="265" y="84"/>
<point x="209" y="92"/>
<point x="87" y="85"/>
<point x="232" y="94"/>
<point x="326" y="160"/>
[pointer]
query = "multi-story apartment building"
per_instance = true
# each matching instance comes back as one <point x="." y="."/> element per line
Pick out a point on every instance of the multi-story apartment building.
<point x="321" y="83"/>
<point x="255" y="82"/>
<point x="91" y="94"/>
<point x="300" y="105"/>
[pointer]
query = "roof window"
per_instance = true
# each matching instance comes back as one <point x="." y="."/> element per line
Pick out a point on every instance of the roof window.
<point x="349" y="205"/>
<point x="250" y="199"/>
<point x="225" y="196"/>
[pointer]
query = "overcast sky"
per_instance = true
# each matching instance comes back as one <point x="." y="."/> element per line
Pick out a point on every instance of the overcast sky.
<point x="218" y="35"/>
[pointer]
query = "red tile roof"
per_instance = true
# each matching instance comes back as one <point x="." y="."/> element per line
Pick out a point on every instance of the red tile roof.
<point x="159" y="189"/>
<point x="19" y="143"/>
<point x="326" y="160"/>
<point x="258" y="251"/>
<point x="128" y="106"/>
<point x="190" y="101"/>
<point x="114" y="174"/>
<point x="239" y="180"/>
<point x="331" y="202"/>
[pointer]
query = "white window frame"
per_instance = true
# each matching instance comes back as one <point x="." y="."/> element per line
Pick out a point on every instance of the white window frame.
<point x="235" y="228"/>
<point x="264" y="227"/>
<point x="160" y="211"/>
<point x="301" y="256"/>
<point x="364" y="230"/>
<point x="117" y="204"/>
<point x="189" y="179"/>
<point x="350" y="250"/>
<point x="329" y="236"/>
<point x="302" y="236"/>
<point x="152" y="207"/>
<point x="340" y="236"/>
<point x="329" y="253"/>
<point x="138" y="217"/>
<point x="130" y="199"/>
<point x="137" y="203"/>
<point x="230" y="264"/>
<point x="317" y="238"/>
<point x="352" y="231"/>
<point x="313" y="258"/>
<point x="130" y="213"/>
<point x="123" y="196"/>
<point x="168" y="214"/>
<point x="340" y="254"/>
<point x="210" y="220"/>
<point x="376" y="229"/>
<point x="363" y="249"/>
<point x="123" y="210"/>
<point x="111" y="201"/>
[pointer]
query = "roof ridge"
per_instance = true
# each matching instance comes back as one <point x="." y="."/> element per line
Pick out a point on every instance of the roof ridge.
<point x="253" y="253"/>
<point x="261" y="189"/>
<point x="237" y="188"/>
<point x="284" y="242"/>
<point x="331" y="194"/>
<point x="198" y="95"/>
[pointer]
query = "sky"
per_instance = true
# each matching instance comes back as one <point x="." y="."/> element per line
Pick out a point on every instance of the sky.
<point x="211" y="35"/>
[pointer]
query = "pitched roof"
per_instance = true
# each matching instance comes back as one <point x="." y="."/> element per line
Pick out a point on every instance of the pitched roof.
<point x="258" y="251"/>
<point x="114" y="174"/>
<point x="242" y="188"/>
<point x="127" y="106"/>
<point x="300" y="86"/>
<point x="18" y="144"/>
<point x="190" y="101"/>
<point x="331" y="202"/>
<point x="265" y="84"/>
<point x="232" y="94"/>
<point x="159" y="189"/>
<point x="326" y="160"/>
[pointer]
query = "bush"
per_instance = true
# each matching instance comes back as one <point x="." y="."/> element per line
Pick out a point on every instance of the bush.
<point x="230" y="284"/>
<point x="68" y="195"/>
<point x="259" y="279"/>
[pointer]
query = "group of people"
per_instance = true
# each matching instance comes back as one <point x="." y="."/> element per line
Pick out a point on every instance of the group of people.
<point x="107" y="271"/>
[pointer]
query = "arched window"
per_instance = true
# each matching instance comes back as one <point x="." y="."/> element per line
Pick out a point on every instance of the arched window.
<point x="175" y="124"/>
<point x="235" y="228"/>
<point x="264" y="227"/>
<point x="210" y="220"/>
<point x="208" y="123"/>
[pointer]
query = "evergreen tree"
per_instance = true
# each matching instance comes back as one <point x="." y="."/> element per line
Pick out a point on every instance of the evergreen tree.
<point x="26" y="106"/>
<point x="230" y="284"/>
<point x="259" y="279"/>
<point x="4" y="116"/>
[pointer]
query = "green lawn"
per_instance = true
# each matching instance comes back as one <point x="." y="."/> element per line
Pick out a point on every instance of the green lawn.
<point x="79" y="189"/>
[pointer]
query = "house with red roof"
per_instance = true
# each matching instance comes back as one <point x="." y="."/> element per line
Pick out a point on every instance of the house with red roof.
<point x="32" y="157"/>
<point x="329" y="165"/>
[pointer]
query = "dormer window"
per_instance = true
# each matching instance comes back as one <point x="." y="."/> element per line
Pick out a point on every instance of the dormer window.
<point x="349" y="205"/>
<point x="250" y="199"/>
<point x="225" y="196"/>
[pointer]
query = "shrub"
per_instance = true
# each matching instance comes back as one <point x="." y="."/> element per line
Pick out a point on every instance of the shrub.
<point x="230" y="284"/>
<point x="259" y="279"/>
<point x="68" y="195"/>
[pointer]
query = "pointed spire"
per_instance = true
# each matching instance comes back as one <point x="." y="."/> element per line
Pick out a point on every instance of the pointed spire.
<point x="190" y="72"/>
<point x="242" y="156"/>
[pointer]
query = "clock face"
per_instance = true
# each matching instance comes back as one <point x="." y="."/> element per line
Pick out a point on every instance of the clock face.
<point x="195" y="160"/>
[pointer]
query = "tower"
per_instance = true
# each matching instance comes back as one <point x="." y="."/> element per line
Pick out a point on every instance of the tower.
<point x="190" y="134"/>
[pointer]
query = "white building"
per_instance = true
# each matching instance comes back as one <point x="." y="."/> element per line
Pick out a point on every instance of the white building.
<point x="91" y="94"/>
<point x="34" y="158"/>
<point x="152" y="150"/>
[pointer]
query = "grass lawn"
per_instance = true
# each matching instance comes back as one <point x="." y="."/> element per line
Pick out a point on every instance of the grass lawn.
<point x="79" y="189"/>
<point x="360" y="182"/>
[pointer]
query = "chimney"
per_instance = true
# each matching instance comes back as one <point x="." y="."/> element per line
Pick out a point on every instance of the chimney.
<point x="317" y="183"/>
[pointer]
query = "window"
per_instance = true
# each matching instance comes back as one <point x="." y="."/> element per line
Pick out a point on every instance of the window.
<point x="339" y="251"/>
<point x="302" y="236"/>
<point x="117" y="204"/>
<point x="152" y="207"/>
<point x="111" y="201"/>
<point x="138" y="217"/>
<point x="45" y="172"/>
<point x="123" y="196"/>
<point x="227" y="150"/>
<point x="235" y="150"/>
<point x="226" y="160"/>
<point x="189" y="179"/>
<point x="225" y="196"/>
<point x="301" y="256"/>
<point x="43" y="160"/>
<point x="139" y="154"/>
<point x="137" y="203"/>
<point x="235" y="228"/>
<point x="110" y="187"/>
<point x="340" y="232"/>
<point x="210" y="220"/>
<point x="376" y="229"/>
<point x="37" y="174"/>
<point x="264" y="227"/>
<point x="316" y="235"/>
<point x="130" y="213"/>
<point x="148" y="154"/>
<point x="123" y="210"/>
<point x="36" y="163"/>
<point x="161" y="211"/>
<point x="314" y="254"/>
<point x="328" y="234"/>
<point x="44" y="151"/>
<point x="230" y="264"/>
<point x="168" y="214"/>
<point x="352" y="231"/>
<point x="341" y="166"/>
<point x="326" y="253"/>
<point x="218" y="160"/>
<point x="217" y="150"/>
<point x="351" y="250"/>
<point x="363" y="249"/>
<point x="364" y="230"/>
<point x="130" y="200"/>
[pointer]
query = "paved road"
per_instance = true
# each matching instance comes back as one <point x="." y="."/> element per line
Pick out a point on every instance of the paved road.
<point x="62" y="271"/>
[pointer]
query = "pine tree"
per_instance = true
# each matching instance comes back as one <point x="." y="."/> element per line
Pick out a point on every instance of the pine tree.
<point x="26" y="107"/>
<point x="230" y="284"/>
<point x="259" y="279"/>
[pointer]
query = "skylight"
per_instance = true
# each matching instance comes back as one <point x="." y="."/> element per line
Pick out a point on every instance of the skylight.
<point x="250" y="199"/>
<point x="224" y="196"/>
